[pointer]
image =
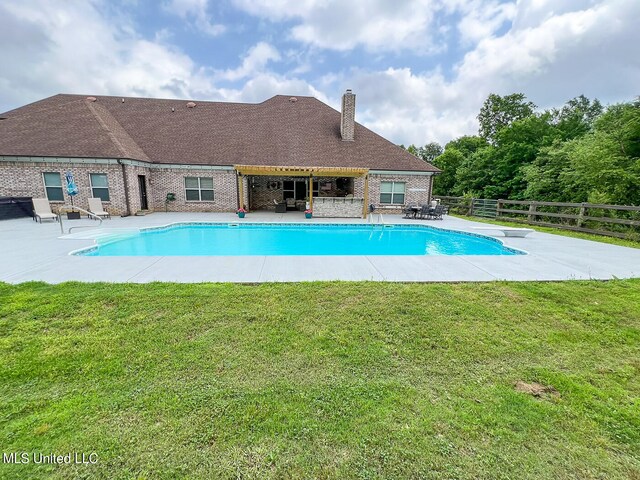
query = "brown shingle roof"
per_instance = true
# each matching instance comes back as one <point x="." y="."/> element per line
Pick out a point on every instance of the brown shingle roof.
<point x="275" y="132"/>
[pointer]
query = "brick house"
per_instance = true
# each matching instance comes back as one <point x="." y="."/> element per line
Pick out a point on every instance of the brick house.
<point x="287" y="153"/>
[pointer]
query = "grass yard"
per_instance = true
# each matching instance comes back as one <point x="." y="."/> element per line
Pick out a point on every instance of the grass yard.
<point x="323" y="380"/>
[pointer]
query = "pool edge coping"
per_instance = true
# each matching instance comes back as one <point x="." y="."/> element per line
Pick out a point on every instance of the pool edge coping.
<point x="84" y="250"/>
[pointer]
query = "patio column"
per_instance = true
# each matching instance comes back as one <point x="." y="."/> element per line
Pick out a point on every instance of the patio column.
<point x="365" y="206"/>
<point x="310" y="191"/>
<point x="240" y="191"/>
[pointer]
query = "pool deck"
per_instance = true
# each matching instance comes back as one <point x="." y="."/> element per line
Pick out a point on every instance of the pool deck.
<point x="31" y="251"/>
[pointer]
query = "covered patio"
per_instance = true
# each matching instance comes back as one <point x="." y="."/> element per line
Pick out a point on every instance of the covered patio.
<point x="328" y="191"/>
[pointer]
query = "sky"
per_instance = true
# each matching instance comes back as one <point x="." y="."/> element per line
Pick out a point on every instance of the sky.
<point x="420" y="69"/>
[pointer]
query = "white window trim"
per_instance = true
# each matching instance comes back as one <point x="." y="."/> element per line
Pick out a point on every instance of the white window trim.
<point x="393" y="192"/>
<point x="199" y="190"/>
<point x="61" y="187"/>
<point x="107" y="187"/>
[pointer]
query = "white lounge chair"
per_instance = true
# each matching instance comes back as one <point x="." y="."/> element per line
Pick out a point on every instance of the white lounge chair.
<point x="509" y="231"/>
<point x="42" y="210"/>
<point x="95" y="207"/>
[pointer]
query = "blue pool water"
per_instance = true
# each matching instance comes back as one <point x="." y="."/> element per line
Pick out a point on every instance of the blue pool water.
<point x="298" y="239"/>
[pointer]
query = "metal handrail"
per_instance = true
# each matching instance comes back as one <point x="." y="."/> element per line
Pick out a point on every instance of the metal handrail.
<point x="371" y="220"/>
<point x="74" y="208"/>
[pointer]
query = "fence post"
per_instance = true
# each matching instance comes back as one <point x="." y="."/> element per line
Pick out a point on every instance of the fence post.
<point x="580" y="219"/>
<point x="533" y="206"/>
<point x="471" y="207"/>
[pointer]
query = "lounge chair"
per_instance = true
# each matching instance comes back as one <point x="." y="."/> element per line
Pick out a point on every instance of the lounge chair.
<point x="408" y="212"/>
<point x="95" y="207"/>
<point x="42" y="209"/>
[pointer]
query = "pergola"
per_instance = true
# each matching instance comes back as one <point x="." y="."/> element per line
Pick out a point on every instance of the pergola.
<point x="308" y="172"/>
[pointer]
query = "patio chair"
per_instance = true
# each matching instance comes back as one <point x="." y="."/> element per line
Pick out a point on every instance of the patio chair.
<point x="95" y="207"/>
<point x="437" y="212"/>
<point x="407" y="211"/>
<point x="281" y="207"/>
<point x="424" y="212"/>
<point x="42" y="209"/>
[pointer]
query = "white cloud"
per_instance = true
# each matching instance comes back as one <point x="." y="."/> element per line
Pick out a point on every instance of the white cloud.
<point x="71" y="47"/>
<point x="339" y="25"/>
<point x="589" y="50"/>
<point x="482" y="19"/>
<point x="552" y="51"/>
<point x="266" y="85"/>
<point x="196" y="10"/>
<point x="253" y="63"/>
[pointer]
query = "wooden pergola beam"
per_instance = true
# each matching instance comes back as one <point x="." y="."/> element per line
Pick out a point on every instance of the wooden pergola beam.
<point x="292" y="171"/>
<point x="365" y="203"/>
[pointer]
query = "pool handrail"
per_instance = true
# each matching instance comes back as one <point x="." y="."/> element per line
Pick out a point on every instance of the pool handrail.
<point x="74" y="208"/>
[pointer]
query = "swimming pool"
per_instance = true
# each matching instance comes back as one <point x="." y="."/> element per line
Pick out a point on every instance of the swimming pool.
<point x="230" y="239"/>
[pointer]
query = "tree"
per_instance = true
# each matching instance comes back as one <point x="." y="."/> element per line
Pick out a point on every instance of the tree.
<point x="607" y="160"/>
<point x="603" y="164"/>
<point x="430" y="151"/>
<point x="455" y="154"/>
<point x="467" y="145"/>
<point x="448" y="162"/>
<point x="543" y="175"/>
<point x="427" y="153"/>
<point x="498" y="112"/>
<point x="577" y="116"/>
<point x="621" y="122"/>
<point x="518" y="145"/>
<point x="413" y="150"/>
<point x="474" y="175"/>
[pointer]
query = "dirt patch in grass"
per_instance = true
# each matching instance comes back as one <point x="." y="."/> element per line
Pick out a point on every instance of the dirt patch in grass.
<point x="536" y="389"/>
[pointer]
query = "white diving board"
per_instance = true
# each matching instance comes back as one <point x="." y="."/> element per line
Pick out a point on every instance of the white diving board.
<point x="508" y="231"/>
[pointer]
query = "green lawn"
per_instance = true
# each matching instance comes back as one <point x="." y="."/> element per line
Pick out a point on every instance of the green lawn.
<point x="322" y="380"/>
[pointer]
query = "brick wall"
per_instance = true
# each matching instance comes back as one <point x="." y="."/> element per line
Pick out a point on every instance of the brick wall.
<point x="411" y="181"/>
<point x="131" y="173"/>
<point x="165" y="181"/>
<point x="25" y="179"/>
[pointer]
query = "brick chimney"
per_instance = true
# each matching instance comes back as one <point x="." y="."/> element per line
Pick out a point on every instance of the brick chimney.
<point x="348" y="118"/>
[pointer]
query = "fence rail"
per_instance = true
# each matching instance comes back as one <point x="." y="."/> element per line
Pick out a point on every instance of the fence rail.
<point x="622" y="221"/>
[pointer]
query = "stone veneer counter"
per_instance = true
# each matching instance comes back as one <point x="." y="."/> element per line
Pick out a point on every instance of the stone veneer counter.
<point x="338" y="207"/>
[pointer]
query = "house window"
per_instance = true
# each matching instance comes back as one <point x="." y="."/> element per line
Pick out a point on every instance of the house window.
<point x="53" y="186"/>
<point x="392" y="192"/>
<point x="199" y="189"/>
<point x="99" y="186"/>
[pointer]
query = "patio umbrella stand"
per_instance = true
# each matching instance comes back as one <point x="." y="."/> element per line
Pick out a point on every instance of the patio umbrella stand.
<point x="72" y="190"/>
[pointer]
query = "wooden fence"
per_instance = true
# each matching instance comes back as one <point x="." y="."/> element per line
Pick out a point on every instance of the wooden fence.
<point x="622" y="221"/>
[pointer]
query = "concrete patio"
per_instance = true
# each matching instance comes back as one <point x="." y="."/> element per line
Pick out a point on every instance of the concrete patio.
<point x="31" y="251"/>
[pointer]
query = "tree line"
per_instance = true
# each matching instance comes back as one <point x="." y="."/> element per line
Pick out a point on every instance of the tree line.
<point x="580" y="152"/>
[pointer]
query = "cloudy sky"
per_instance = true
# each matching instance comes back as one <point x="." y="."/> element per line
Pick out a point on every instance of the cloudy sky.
<point x="420" y="68"/>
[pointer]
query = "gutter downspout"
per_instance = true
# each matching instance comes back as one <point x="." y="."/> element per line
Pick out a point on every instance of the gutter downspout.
<point x="126" y="190"/>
